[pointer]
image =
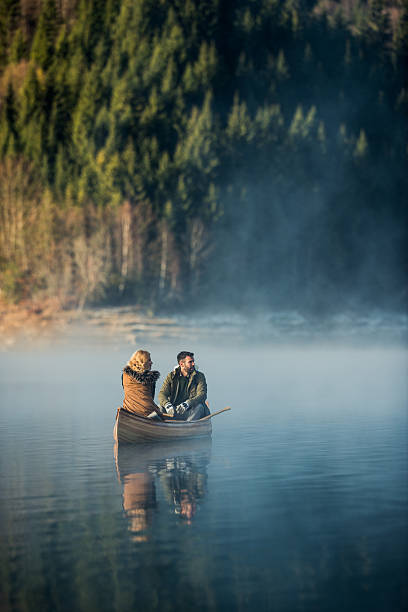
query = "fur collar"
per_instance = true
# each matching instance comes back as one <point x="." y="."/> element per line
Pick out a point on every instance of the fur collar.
<point x="146" y="378"/>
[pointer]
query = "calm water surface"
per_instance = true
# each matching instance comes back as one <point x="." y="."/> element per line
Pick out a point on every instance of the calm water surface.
<point x="299" y="501"/>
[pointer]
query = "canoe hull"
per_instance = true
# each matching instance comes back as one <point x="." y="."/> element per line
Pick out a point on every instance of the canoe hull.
<point x="130" y="428"/>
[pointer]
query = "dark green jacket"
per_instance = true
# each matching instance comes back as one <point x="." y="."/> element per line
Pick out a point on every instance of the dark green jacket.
<point x="196" y="389"/>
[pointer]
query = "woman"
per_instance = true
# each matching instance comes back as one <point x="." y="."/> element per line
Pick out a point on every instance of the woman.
<point x="139" y="384"/>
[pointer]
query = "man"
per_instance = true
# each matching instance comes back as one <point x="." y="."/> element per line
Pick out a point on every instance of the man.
<point x="184" y="391"/>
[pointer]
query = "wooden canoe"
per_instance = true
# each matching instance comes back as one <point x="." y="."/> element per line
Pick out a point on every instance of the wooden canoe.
<point x="130" y="427"/>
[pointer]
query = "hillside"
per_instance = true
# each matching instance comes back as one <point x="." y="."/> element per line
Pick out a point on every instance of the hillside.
<point x="233" y="153"/>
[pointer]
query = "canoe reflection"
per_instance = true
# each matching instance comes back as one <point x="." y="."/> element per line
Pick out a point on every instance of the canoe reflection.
<point x="178" y="469"/>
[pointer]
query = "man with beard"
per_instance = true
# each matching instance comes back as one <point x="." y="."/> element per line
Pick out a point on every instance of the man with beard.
<point x="184" y="390"/>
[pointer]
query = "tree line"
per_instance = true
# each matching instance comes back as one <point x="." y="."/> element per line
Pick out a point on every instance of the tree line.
<point x="246" y="152"/>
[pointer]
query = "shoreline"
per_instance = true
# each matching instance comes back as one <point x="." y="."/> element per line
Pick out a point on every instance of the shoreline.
<point x="29" y="321"/>
<point x="36" y="323"/>
<point x="45" y="322"/>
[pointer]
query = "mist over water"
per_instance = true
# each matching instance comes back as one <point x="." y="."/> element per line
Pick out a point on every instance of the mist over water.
<point x="299" y="501"/>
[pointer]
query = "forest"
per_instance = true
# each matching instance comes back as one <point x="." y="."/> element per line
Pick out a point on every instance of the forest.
<point x="204" y="153"/>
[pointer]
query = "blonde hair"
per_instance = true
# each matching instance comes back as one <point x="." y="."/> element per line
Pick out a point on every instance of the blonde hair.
<point x="140" y="361"/>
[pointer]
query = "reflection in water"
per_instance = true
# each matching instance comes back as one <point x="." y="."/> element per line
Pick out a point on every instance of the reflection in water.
<point x="139" y="502"/>
<point x="184" y="481"/>
<point x="179" y="469"/>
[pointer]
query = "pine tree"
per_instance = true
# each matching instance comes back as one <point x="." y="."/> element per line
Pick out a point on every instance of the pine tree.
<point x="18" y="48"/>
<point x="10" y="13"/>
<point x="401" y="42"/>
<point x="380" y="26"/>
<point x="8" y="122"/>
<point x="42" y="49"/>
<point x="32" y="118"/>
<point x="361" y="147"/>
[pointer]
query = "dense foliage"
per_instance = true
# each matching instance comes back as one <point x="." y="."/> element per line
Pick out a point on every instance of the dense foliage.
<point x="241" y="152"/>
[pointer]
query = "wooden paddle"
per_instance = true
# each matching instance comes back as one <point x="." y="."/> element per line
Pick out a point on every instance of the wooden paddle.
<point x="209" y="416"/>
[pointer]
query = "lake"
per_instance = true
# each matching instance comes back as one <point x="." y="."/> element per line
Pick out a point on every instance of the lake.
<point x="298" y="502"/>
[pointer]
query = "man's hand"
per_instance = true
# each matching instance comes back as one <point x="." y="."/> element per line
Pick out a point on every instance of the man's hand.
<point x="169" y="408"/>
<point x="182" y="408"/>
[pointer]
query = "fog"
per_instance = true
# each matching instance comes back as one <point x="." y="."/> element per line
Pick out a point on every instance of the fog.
<point x="266" y="368"/>
<point x="310" y="244"/>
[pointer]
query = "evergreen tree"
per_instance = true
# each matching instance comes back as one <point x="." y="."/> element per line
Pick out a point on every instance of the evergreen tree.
<point x="31" y="118"/>
<point x="379" y="24"/>
<point x="10" y="13"/>
<point x="42" y="49"/>
<point x="9" y="135"/>
<point x="18" y="47"/>
<point x="209" y="117"/>
<point x="401" y="42"/>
